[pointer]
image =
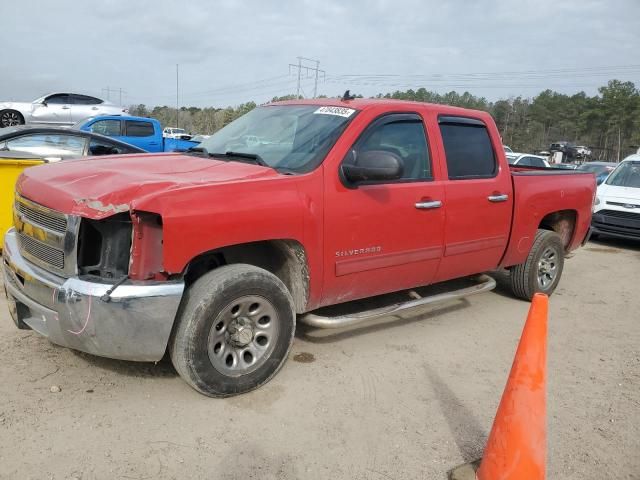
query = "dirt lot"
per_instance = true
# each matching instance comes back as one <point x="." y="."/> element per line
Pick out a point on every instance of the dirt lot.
<point x="402" y="398"/>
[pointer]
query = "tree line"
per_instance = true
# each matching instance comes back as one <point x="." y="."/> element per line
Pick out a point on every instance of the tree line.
<point x="608" y="123"/>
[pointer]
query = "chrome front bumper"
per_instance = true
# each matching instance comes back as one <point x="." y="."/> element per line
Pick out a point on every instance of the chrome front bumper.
<point x="134" y="325"/>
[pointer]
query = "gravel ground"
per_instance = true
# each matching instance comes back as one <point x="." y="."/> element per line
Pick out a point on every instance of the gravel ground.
<point x="402" y="398"/>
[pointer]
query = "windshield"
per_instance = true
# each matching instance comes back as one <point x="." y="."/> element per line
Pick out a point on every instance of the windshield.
<point x="178" y="130"/>
<point x="626" y="175"/>
<point x="291" y="137"/>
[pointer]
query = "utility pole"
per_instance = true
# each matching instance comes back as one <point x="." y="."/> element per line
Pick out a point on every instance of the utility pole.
<point x="308" y="69"/>
<point x="299" y="73"/>
<point x="177" y="102"/>
<point x="315" y="84"/>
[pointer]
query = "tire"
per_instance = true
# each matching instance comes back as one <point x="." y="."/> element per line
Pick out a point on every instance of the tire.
<point x="10" y="118"/>
<point x="226" y="313"/>
<point x="542" y="270"/>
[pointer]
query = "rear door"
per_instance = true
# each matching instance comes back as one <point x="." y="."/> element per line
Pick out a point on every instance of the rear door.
<point x="478" y="197"/>
<point x="142" y="134"/>
<point x="387" y="235"/>
<point x="83" y="106"/>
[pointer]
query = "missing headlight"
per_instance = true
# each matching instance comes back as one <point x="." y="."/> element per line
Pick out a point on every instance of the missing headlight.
<point x="104" y="246"/>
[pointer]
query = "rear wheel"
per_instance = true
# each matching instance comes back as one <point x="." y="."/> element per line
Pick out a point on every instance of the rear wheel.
<point x="542" y="270"/>
<point x="234" y="330"/>
<point x="10" y="118"/>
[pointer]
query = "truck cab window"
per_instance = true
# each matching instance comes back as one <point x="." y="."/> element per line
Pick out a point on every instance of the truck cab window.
<point x="110" y="128"/>
<point x="138" y="129"/>
<point x="405" y="138"/>
<point x="468" y="149"/>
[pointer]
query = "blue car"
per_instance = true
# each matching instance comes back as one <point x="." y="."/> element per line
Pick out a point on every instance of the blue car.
<point x="600" y="169"/>
<point x="145" y="133"/>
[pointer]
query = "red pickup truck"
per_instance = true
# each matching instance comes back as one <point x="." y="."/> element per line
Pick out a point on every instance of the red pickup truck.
<point x="213" y="254"/>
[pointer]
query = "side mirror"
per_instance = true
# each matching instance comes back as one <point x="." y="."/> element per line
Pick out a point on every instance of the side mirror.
<point x="374" y="165"/>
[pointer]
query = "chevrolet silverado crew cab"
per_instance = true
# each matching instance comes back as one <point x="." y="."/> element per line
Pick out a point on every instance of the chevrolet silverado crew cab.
<point x="213" y="254"/>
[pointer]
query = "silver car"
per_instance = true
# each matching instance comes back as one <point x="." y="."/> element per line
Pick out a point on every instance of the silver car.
<point x="56" y="109"/>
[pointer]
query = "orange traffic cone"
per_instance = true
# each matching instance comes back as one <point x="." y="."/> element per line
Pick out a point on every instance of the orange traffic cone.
<point x="517" y="445"/>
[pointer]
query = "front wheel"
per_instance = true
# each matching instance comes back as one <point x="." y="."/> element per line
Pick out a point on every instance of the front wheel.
<point x="10" y="118"/>
<point x="234" y="330"/>
<point x="542" y="270"/>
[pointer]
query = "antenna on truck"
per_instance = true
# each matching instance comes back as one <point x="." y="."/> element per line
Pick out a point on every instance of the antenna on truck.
<point x="347" y="96"/>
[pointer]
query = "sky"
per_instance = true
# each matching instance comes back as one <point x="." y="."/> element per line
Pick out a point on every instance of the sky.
<point x="230" y="52"/>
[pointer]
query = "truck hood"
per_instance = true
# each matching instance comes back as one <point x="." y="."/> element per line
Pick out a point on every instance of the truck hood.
<point x="98" y="187"/>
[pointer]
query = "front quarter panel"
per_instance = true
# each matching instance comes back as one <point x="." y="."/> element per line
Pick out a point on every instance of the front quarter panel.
<point x="199" y="219"/>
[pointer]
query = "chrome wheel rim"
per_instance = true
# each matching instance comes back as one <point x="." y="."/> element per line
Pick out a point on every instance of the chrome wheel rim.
<point x="243" y="335"/>
<point x="547" y="267"/>
<point x="10" y="119"/>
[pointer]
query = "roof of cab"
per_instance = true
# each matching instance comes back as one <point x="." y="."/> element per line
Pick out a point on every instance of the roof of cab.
<point x="367" y="103"/>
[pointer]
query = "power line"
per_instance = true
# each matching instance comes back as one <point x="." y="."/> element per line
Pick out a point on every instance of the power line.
<point x="550" y="72"/>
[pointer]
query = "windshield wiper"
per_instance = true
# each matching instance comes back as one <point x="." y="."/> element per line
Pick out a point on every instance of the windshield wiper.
<point x="257" y="159"/>
<point x="198" y="150"/>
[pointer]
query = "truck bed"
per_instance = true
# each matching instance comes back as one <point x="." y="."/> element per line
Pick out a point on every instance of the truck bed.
<point x="535" y="199"/>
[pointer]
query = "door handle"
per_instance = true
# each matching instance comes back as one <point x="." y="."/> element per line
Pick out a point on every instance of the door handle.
<point x="428" y="205"/>
<point x="94" y="108"/>
<point x="500" y="197"/>
<point x="65" y="107"/>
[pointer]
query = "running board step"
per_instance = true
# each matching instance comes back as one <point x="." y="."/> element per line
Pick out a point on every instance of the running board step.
<point x="485" y="284"/>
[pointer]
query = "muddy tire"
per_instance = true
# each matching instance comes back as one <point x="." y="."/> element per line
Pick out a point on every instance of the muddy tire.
<point x="542" y="270"/>
<point x="233" y="331"/>
<point x="10" y="118"/>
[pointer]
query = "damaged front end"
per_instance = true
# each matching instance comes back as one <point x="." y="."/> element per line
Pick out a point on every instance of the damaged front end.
<point x="92" y="285"/>
<point x="123" y="245"/>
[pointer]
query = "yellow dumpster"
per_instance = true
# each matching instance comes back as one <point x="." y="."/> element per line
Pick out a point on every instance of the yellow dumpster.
<point x="11" y="166"/>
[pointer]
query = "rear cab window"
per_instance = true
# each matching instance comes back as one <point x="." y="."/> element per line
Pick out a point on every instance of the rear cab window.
<point x="135" y="128"/>
<point x="468" y="148"/>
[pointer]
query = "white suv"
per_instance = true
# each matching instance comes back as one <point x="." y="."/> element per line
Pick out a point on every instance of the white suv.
<point x="616" y="210"/>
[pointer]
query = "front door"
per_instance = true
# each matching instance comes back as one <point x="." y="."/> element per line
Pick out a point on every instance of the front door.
<point x="479" y="199"/>
<point x="56" y="110"/>
<point x="384" y="236"/>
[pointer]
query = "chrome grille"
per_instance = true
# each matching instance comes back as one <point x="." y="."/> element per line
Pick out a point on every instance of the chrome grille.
<point x="56" y="223"/>
<point x="41" y="251"/>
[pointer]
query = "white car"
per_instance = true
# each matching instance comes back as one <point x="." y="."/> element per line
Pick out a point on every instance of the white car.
<point x="616" y="210"/>
<point x="178" y="133"/>
<point x="527" y="160"/>
<point x="56" y="109"/>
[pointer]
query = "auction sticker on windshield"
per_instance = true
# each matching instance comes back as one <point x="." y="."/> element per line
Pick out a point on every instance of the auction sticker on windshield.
<point x="339" y="111"/>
